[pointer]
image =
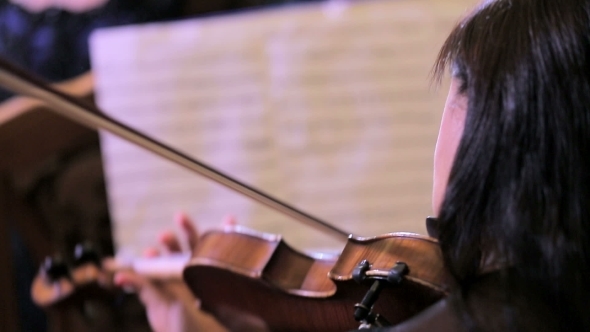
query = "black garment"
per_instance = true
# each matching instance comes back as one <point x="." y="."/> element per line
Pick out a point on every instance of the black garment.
<point x="54" y="43"/>
<point x="487" y="309"/>
<point x="486" y="306"/>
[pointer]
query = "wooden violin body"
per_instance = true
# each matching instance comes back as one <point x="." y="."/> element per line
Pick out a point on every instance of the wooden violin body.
<point x="262" y="283"/>
<point x="256" y="282"/>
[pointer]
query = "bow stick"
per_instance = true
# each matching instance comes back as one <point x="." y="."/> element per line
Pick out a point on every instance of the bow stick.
<point x="20" y="81"/>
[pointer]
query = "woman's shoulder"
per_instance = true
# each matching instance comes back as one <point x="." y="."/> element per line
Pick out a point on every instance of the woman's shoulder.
<point x="503" y="301"/>
<point x="487" y="306"/>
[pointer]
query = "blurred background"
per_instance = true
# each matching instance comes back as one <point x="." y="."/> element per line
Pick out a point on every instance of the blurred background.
<point x="327" y="105"/>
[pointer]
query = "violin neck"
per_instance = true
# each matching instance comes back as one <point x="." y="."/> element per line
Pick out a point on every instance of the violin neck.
<point x="167" y="267"/>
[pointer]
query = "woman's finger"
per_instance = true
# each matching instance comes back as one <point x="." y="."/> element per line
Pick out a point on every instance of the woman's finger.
<point x="148" y="292"/>
<point x="151" y="252"/>
<point x="189" y="229"/>
<point x="170" y="241"/>
<point x="229" y="221"/>
<point x="131" y="281"/>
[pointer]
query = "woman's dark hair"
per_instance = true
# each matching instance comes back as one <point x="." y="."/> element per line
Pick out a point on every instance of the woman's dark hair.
<point x="520" y="184"/>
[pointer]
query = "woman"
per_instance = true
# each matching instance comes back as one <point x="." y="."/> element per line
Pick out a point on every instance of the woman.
<point x="511" y="180"/>
<point x="518" y="192"/>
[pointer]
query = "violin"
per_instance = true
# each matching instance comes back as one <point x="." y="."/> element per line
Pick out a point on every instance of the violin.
<point x="380" y="281"/>
<point x="249" y="278"/>
<point x="257" y="278"/>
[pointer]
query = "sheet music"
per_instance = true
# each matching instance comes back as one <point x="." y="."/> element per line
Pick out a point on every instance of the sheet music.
<point x="326" y="106"/>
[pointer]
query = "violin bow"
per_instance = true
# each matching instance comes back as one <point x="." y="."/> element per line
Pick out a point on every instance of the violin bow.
<point x="83" y="112"/>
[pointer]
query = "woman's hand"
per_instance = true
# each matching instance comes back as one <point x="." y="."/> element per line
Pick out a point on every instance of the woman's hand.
<point x="170" y="305"/>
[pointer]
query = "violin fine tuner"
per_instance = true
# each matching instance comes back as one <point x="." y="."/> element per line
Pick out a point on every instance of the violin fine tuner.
<point x="363" y="311"/>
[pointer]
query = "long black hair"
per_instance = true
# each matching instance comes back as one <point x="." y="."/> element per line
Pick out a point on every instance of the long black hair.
<point x="519" y="190"/>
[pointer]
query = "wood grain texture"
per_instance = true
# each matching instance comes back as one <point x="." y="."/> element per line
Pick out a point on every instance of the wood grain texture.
<point x="285" y="290"/>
